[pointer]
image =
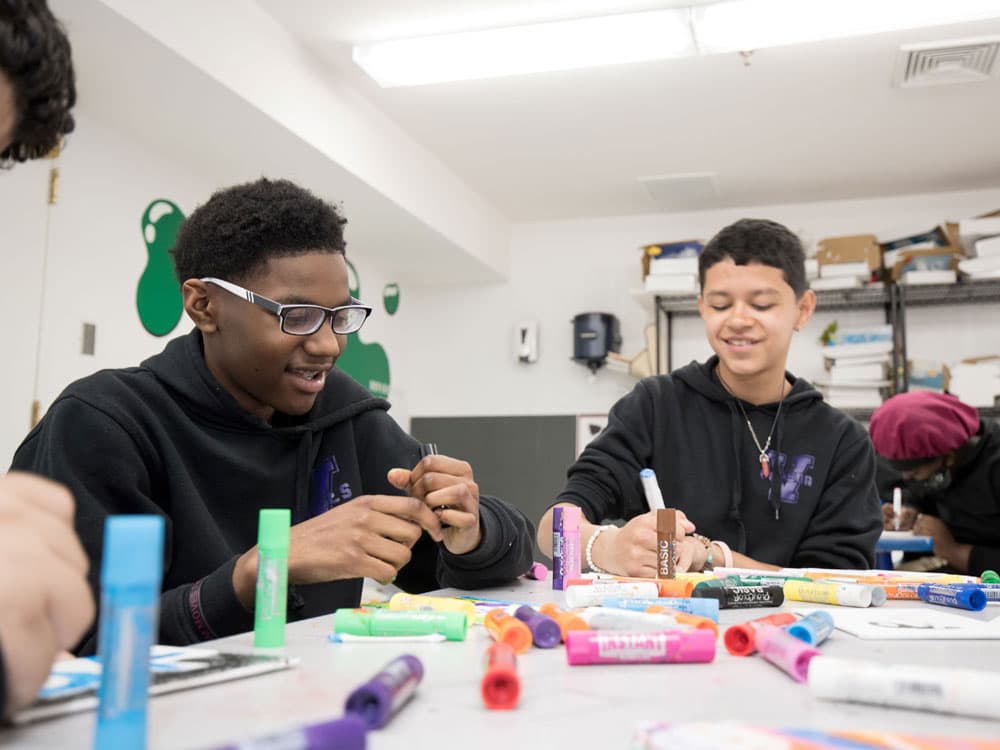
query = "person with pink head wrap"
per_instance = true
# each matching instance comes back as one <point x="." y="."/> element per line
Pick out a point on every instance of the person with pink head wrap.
<point x="949" y="461"/>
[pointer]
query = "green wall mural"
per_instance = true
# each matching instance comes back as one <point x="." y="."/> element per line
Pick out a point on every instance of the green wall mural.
<point x="158" y="295"/>
<point x="390" y="298"/>
<point x="366" y="363"/>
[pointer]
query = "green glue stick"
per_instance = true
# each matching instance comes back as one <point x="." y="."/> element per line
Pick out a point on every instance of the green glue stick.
<point x="386" y="622"/>
<point x="272" y="577"/>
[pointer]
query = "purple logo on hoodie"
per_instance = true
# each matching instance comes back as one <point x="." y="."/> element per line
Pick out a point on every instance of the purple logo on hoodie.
<point x="325" y="492"/>
<point x="794" y="472"/>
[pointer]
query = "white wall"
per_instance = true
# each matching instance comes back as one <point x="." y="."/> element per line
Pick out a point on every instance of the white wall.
<point x="450" y="347"/>
<point x="559" y="269"/>
<point x="95" y="257"/>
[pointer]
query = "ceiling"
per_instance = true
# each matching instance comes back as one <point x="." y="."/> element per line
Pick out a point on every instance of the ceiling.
<point x="806" y="123"/>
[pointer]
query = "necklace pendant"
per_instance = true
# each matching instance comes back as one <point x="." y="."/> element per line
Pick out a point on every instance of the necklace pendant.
<point x="765" y="466"/>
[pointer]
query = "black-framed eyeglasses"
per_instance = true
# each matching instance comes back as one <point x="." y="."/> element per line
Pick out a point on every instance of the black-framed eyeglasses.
<point x="303" y="320"/>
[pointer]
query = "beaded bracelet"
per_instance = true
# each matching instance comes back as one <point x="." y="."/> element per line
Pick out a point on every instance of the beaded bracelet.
<point x="709" y="562"/>
<point x="590" y="547"/>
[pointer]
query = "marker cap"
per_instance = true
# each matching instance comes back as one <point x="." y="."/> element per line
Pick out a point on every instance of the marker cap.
<point x="538" y="571"/>
<point x="133" y="551"/>
<point x="501" y="687"/>
<point x="545" y="632"/>
<point x="273" y="528"/>
<point x="376" y="700"/>
<point x="346" y="733"/>
<point x="990" y="576"/>
<point x="709" y="592"/>
<point x="812" y="629"/>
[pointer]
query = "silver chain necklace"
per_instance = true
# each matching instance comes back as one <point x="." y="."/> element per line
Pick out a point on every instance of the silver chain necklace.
<point x="765" y="463"/>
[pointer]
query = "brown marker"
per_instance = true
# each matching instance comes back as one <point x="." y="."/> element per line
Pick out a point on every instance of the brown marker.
<point x="666" y="532"/>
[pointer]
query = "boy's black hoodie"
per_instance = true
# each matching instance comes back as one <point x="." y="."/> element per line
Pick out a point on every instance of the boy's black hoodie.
<point x="166" y="438"/>
<point x="819" y="507"/>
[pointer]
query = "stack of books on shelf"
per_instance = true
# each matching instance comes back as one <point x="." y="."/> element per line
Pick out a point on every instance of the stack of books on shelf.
<point x="924" y="258"/>
<point x="847" y="262"/>
<point x="976" y="381"/>
<point x="857" y="363"/>
<point x="671" y="267"/>
<point x="981" y="239"/>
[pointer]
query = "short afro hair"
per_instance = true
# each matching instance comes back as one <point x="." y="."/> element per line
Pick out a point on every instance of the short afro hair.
<point x="758" y="241"/>
<point x="35" y="56"/>
<point x="241" y="228"/>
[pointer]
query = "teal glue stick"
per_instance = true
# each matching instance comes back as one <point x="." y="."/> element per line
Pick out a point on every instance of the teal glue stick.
<point x="131" y="571"/>
<point x="272" y="577"/>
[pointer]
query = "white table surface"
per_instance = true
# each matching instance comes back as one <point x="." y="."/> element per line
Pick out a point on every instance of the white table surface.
<point x="583" y="707"/>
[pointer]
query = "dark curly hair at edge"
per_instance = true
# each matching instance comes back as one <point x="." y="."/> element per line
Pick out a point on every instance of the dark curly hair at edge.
<point x="35" y="57"/>
<point x="241" y="228"/>
<point x="758" y="241"/>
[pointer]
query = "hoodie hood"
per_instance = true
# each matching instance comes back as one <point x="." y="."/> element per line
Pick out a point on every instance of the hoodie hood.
<point x="703" y="377"/>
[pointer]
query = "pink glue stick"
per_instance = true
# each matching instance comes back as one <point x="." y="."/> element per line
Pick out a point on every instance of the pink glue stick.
<point x="785" y="651"/>
<point x="617" y="647"/>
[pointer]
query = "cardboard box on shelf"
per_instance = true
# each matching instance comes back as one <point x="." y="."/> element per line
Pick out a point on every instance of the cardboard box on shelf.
<point x="851" y="249"/>
<point x="924" y="259"/>
<point x="676" y="249"/>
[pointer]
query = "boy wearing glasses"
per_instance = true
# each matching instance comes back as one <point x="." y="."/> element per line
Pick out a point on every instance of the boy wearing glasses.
<point x="248" y="411"/>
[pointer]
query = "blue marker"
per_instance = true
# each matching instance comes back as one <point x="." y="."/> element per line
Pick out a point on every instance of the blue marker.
<point x="962" y="597"/>
<point x="131" y="571"/>
<point x="702" y="607"/>
<point x="813" y="629"/>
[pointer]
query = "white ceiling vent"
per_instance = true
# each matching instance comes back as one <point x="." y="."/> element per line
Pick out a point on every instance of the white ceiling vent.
<point x="681" y="190"/>
<point x="957" y="61"/>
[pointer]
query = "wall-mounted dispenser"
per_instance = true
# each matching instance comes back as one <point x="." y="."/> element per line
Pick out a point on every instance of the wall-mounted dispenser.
<point x="526" y="341"/>
<point x="594" y="335"/>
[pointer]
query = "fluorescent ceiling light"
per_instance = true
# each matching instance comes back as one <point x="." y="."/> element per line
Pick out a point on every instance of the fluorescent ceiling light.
<point x="537" y="48"/>
<point x="727" y="26"/>
<point x="737" y="25"/>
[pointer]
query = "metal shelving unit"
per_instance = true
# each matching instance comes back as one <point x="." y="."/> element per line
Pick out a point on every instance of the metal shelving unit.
<point x="892" y="298"/>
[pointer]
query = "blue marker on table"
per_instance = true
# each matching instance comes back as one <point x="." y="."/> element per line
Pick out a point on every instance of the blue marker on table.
<point x="702" y="607"/>
<point x="654" y="498"/>
<point x="813" y="629"/>
<point x="347" y="733"/>
<point x="962" y="597"/>
<point x="131" y="572"/>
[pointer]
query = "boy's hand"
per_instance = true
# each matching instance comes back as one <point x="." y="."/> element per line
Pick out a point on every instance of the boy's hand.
<point x="447" y="488"/>
<point x="370" y="536"/>
<point x="631" y="550"/>
<point x="45" y="600"/>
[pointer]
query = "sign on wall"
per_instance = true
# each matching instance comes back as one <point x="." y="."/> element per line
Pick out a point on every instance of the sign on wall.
<point x="158" y="295"/>
<point x="366" y="363"/>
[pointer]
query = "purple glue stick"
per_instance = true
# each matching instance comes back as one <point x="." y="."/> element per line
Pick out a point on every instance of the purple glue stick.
<point x="347" y="733"/>
<point x="384" y="694"/>
<point x="545" y="631"/>
<point x="785" y="651"/>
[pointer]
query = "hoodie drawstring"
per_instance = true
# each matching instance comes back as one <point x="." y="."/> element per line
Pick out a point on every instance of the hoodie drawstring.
<point x="736" y="495"/>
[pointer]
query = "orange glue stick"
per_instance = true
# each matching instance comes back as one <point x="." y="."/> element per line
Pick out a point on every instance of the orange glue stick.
<point x="508" y="629"/>
<point x="567" y="621"/>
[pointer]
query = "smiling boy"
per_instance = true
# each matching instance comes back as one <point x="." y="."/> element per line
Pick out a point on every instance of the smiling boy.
<point x="247" y="412"/>
<point x="766" y="471"/>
